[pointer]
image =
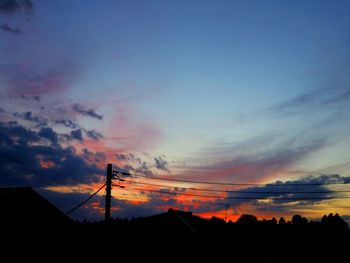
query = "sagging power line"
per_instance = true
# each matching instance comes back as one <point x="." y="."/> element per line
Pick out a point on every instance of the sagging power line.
<point x="116" y="175"/>
<point x="86" y="200"/>
<point x="241" y="191"/>
<point x="237" y="197"/>
<point x="286" y="184"/>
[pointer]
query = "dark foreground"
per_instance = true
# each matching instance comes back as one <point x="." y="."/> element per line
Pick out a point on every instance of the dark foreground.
<point x="163" y="239"/>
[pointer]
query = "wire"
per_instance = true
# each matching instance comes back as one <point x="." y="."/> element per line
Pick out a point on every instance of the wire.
<point x="236" y="184"/>
<point x="242" y="192"/>
<point x="87" y="199"/>
<point x="240" y="198"/>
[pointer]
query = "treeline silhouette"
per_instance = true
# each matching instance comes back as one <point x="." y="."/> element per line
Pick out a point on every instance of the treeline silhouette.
<point x="180" y="222"/>
<point x="186" y="236"/>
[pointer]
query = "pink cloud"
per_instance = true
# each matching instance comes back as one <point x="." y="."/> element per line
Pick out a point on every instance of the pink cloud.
<point x="27" y="80"/>
<point x="254" y="168"/>
<point x="130" y="132"/>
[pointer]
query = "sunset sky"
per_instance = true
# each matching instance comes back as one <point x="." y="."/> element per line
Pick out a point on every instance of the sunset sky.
<point x="249" y="92"/>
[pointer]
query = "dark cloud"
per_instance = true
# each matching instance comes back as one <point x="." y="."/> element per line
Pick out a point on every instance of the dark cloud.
<point x="19" y="98"/>
<point x="16" y="6"/>
<point x="86" y="112"/>
<point x="143" y="168"/>
<point x="67" y="123"/>
<point x="121" y="157"/>
<point x="14" y="30"/>
<point x="29" y="116"/>
<point x="9" y="6"/>
<point x="128" y="158"/>
<point x="49" y="134"/>
<point x="319" y="186"/>
<point x="35" y="98"/>
<point x="333" y="96"/>
<point x="27" y="159"/>
<point x="94" y="135"/>
<point x="161" y="164"/>
<point x="93" y="156"/>
<point x="134" y="163"/>
<point x="77" y="135"/>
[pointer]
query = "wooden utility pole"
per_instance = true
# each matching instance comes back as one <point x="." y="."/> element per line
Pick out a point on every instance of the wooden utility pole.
<point x="108" y="192"/>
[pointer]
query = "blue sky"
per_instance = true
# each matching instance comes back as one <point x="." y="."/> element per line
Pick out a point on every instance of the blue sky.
<point x="215" y="85"/>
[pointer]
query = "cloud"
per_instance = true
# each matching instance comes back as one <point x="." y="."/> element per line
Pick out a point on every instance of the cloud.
<point x="16" y="6"/>
<point x="132" y="162"/>
<point x="128" y="157"/>
<point x="49" y="134"/>
<point x="314" y="100"/>
<point x="161" y="164"/>
<point x="309" y="183"/>
<point x="86" y="112"/>
<point x="93" y="156"/>
<point x="334" y="94"/>
<point x="29" y="116"/>
<point x="256" y="166"/>
<point x="30" y="81"/>
<point x="134" y="133"/>
<point x="77" y="135"/>
<point x="142" y="168"/>
<point x="14" y="30"/>
<point x="30" y="158"/>
<point x="94" y="135"/>
<point x="158" y="203"/>
<point x="19" y="98"/>
<point x="317" y="186"/>
<point x="121" y="157"/>
<point x="67" y="123"/>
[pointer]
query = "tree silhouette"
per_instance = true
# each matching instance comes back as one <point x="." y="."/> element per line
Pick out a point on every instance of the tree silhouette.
<point x="334" y="222"/>
<point x="247" y="219"/>
<point x="282" y="221"/>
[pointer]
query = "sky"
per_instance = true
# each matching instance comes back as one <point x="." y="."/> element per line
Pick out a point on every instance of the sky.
<point x="247" y="92"/>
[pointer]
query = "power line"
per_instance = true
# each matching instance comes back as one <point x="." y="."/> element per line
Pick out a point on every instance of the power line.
<point x="237" y="184"/>
<point x="239" y="198"/>
<point x="242" y="192"/>
<point x="87" y="199"/>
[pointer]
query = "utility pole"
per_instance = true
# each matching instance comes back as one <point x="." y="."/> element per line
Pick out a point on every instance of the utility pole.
<point x="227" y="206"/>
<point x="108" y="192"/>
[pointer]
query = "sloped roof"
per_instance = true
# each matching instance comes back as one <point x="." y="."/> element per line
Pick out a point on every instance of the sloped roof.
<point x="25" y="206"/>
<point x="175" y="220"/>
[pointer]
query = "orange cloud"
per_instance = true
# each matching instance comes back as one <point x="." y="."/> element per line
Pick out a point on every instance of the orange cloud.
<point x="46" y="164"/>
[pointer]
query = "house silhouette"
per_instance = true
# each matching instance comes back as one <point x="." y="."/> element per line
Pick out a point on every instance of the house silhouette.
<point x="173" y="220"/>
<point x="23" y="205"/>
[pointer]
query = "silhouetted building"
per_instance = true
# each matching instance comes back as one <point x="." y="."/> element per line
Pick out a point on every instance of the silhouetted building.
<point x="23" y="205"/>
<point x="173" y="221"/>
